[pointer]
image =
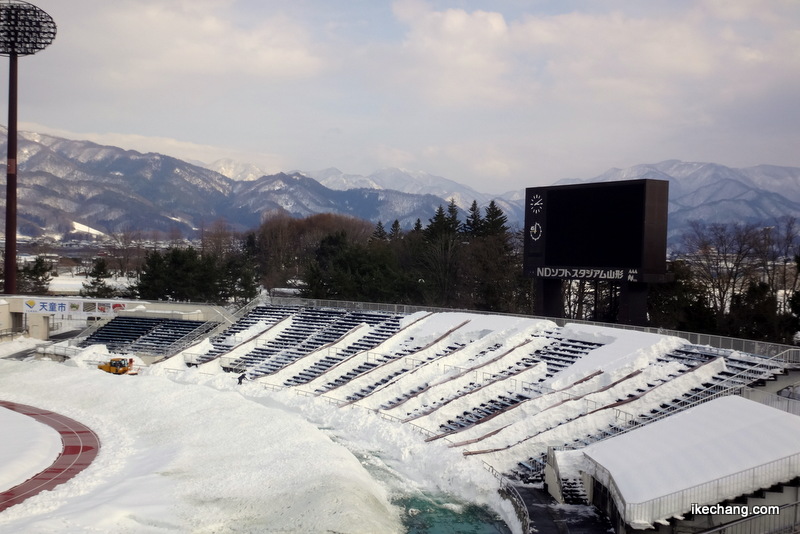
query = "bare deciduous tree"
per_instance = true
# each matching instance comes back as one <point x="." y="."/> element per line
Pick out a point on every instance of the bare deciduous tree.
<point x="127" y="249"/>
<point x="723" y="260"/>
<point x="775" y="249"/>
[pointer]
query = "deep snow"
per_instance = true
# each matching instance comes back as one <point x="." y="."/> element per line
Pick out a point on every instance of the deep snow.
<point x="190" y="450"/>
<point x="28" y="446"/>
<point x="196" y="453"/>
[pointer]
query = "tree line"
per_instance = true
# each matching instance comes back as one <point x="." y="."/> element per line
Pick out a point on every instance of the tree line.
<point x="738" y="279"/>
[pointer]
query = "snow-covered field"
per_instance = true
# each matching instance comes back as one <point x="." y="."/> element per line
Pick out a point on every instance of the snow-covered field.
<point x="28" y="446"/>
<point x="70" y="284"/>
<point x="202" y="454"/>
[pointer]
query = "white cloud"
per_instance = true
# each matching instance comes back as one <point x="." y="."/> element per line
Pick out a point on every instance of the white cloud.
<point x="165" y="145"/>
<point x="464" y="89"/>
<point x="394" y="157"/>
<point x="649" y="66"/>
<point x="458" y="58"/>
<point x="145" y="43"/>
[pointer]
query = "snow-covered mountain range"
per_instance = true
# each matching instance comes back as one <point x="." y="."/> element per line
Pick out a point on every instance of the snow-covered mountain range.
<point x="716" y="193"/>
<point x="65" y="185"/>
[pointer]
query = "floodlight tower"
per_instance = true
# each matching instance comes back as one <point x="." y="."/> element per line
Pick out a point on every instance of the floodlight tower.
<point x="24" y="30"/>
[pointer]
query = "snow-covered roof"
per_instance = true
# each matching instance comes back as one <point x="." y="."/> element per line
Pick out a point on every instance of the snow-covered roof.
<point x="661" y="469"/>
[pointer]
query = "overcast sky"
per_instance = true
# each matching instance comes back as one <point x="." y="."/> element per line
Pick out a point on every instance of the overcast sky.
<point x="499" y="94"/>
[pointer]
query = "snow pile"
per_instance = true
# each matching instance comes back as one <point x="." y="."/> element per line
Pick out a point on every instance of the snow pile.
<point x="461" y="368"/>
<point x="189" y="354"/>
<point x="259" y="327"/>
<point x="18" y="344"/>
<point x="623" y="351"/>
<point x="181" y="457"/>
<point x="93" y="355"/>
<point x="417" y="465"/>
<point x="72" y="284"/>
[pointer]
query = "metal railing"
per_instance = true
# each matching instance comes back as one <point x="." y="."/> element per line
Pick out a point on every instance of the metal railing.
<point x="787" y="353"/>
<point x="399" y="309"/>
<point x="508" y="491"/>
<point x="10" y="332"/>
<point x="711" y="492"/>
<point x="786" y="521"/>
<point x="785" y="404"/>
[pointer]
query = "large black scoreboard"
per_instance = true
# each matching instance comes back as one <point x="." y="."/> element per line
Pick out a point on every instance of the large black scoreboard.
<point x="597" y="231"/>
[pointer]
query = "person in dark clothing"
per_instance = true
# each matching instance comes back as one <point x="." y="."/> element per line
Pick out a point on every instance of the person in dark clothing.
<point x="242" y="377"/>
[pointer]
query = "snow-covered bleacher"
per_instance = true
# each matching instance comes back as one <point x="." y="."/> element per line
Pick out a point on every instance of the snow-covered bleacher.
<point x="308" y="330"/>
<point x="151" y="335"/>
<point x="251" y="322"/>
<point x="706" y="373"/>
<point x="504" y="390"/>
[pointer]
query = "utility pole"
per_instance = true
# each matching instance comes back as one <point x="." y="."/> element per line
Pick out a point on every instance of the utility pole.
<point x="24" y="30"/>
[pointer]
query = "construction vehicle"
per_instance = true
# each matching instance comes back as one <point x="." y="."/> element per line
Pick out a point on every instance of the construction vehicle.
<point x="118" y="366"/>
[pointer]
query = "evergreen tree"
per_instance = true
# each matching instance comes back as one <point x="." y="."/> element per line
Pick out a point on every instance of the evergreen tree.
<point x="346" y="270"/>
<point x="96" y="286"/>
<point x="173" y="275"/>
<point x="183" y="274"/>
<point x="453" y="223"/>
<point x="380" y="233"/>
<point x="491" y="269"/>
<point x="439" y="261"/>
<point x="395" y="233"/>
<point x="680" y="304"/>
<point x="239" y="278"/>
<point x="488" y="274"/>
<point x="754" y="314"/>
<point x="495" y="221"/>
<point x="437" y="225"/>
<point x="35" y="279"/>
<point x="473" y="226"/>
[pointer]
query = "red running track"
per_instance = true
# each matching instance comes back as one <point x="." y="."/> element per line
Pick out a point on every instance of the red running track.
<point x="80" y="448"/>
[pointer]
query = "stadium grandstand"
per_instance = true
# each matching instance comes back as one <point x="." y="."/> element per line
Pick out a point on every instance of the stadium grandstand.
<point x="624" y="420"/>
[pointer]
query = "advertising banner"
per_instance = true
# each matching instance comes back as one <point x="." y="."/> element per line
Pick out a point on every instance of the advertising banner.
<point x="74" y="307"/>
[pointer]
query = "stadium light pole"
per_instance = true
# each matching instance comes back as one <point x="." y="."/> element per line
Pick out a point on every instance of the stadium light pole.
<point x="24" y="30"/>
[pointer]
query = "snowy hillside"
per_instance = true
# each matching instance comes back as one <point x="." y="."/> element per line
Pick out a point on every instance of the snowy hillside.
<point x="714" y="193"/>
<point x="64" y="182"/>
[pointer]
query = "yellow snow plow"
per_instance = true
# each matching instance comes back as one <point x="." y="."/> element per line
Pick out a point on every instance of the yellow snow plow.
<point x="118" y="366"/>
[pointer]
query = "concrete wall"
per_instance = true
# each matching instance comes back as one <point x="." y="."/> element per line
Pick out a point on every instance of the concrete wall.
<point x="5" y="315"/>
<point x="189" y="312"/>
<point x="39" y="326"/>
<point x="13" y="313"/>
<point x="552" y="483"/>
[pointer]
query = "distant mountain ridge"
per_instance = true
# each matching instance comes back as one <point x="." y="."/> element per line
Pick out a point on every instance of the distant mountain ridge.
<point x="422" y="183"/>
<point x="390" y="179"/>
<point x="66" y="185"/>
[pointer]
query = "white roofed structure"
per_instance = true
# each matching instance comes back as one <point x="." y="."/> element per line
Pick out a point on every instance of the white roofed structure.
<point x="716" y="451"/>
